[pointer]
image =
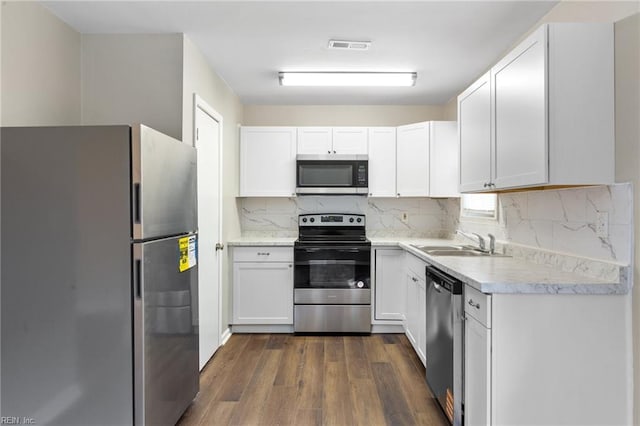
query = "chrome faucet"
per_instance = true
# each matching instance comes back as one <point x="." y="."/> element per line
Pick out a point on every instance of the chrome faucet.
<point x="475" y="238"/>
<point x="492" y="243"/>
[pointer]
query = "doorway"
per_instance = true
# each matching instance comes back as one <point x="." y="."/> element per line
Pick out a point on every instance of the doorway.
<point x="207" y="136"/>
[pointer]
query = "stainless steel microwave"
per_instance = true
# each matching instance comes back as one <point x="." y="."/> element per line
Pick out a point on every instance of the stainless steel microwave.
<point x="332" y="174"/>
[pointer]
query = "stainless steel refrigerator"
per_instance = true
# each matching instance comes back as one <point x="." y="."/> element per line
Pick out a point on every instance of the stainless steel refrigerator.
<point x="99" y="284"/>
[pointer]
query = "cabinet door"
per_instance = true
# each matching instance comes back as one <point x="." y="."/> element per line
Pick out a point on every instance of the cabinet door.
<point x="413" y="160"/>
<point x="267" y="161"/>
<point x="382" y="162"/>
<point x="315" y="140"/>
<point x="262" y="293"/>
<point x="474" y="135"/>
<point x="477" y="373"/>
<point x="519" y="83"/>
<point x="390" y="290"/>
<point x="411" y="309"/>
<point x="444" y="169"/>
<point x="350" y="140"/>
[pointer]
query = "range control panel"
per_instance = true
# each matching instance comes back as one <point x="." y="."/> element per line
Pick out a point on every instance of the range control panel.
<point x="331" y="220"/>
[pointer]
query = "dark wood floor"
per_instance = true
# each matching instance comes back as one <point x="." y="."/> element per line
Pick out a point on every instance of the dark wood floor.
<point x="282" y="379"/>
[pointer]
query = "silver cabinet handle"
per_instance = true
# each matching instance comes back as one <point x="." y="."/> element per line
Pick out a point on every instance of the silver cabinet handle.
<point x="334" y="152"/>
<point x="328" y="152"/>
<point x="290" y="266"/>
<point x="414" y="279"/>
<point x="264" y="254"/>
<point x="219" y="246"/>
<point x="475" y="305"/>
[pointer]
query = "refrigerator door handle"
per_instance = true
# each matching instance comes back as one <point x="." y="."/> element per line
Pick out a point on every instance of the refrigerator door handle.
<point x="138" y="335"/>
<point x="137" y="214"/>
<point x="138" y="278"/>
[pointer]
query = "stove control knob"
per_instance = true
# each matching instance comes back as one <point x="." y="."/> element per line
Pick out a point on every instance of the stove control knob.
<point x="360" y="284"/>
<point x="351" y="219"/>
<point x="359" y="219"/>
<point x="312" y="220"/>
<point x="304" y="219"/>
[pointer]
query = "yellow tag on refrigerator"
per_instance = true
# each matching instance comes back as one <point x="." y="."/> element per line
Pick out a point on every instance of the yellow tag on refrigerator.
<point x="188" y="252"/>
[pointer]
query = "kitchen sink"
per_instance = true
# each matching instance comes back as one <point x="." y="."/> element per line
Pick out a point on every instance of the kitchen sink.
<point x="462" y="251"/>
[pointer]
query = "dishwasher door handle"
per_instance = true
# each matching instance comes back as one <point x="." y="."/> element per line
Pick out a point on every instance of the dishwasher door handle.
<point x="437" y="286"/>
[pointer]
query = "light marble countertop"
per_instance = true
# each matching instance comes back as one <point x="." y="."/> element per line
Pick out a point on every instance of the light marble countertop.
<point x="506" y="274"/>
<point x="486" y="274"/>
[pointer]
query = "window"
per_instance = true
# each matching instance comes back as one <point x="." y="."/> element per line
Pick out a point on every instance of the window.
<point x="479" y="206"/>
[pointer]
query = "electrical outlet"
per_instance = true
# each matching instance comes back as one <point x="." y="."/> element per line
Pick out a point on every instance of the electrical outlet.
<point x="602" y="224"/>
<point x="404" y="217"/>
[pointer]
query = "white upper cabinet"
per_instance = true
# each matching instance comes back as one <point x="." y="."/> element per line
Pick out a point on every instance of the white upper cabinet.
<point x="382" y="162"/>
<point x="551" y="115"/>
<point x="520" y="113"/>
<point x="444" y="166"/>
<point x="427" y="160"/>
<point x="413" y="160"/>
<point x="267" y="161"/>
<point x="315" y="140"/>
<point x="332" y="140"/>
<point x="350" y="140"/>
<point x="474" y="133"/>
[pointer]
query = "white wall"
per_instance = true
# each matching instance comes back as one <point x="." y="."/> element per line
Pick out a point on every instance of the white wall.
<point x="199" y="78"/>
<point x="40" y="67"/>
<point x="627" y="34"/>
<point x="133" y="78"/>
<point x="339" y="115"/>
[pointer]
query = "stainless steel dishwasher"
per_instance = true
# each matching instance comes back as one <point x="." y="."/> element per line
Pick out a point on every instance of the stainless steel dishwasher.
<point x="444" y="341"/>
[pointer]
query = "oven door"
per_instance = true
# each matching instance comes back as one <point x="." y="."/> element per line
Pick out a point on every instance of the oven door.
<point x="337" y="273"/>
<point x="331" y="175"/>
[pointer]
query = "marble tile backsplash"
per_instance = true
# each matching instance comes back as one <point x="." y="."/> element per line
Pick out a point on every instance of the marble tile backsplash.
<point x="564" y="221"/>
<point x="427" y="217"/>
<point x="556" y="221"/>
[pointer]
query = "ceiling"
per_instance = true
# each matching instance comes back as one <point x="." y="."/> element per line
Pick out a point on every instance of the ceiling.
<point x="448" y="43"/>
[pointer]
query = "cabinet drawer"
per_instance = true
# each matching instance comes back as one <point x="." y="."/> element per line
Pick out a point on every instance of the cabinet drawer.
<point x="478" y="305"/>
<point x="263" y="254"/>
<point x="415" y="265"/>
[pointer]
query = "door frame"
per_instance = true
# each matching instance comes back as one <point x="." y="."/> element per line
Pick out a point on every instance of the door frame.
<point x="200" y="103"/>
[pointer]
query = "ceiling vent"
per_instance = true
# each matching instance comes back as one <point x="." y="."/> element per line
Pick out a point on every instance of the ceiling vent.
<point x="349" y="45"/>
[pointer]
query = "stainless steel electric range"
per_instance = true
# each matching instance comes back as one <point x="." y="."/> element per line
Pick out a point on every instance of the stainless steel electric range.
<point x="332" y="275"/>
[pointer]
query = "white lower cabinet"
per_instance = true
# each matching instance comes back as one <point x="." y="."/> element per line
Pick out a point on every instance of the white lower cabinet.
<point x="389" y="285"/>
<point x="477" y="360"/>
<point x="415" y="322"/>
<point x="262" y="285"/>
<point x="542" y="359"/>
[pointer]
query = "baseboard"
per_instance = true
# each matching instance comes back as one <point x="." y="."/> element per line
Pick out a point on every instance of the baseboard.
<point x="387" y="328"/>
<point x="262" y="328"/>
<point x="225" y="336"/>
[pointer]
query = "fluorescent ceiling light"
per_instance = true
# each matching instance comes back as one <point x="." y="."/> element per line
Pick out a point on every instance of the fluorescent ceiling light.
<point x="348" y="78"/>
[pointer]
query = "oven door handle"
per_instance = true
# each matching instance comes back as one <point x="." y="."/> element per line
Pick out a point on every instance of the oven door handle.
<point x="334" y="248"/>
<point x="325" y="262"/>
